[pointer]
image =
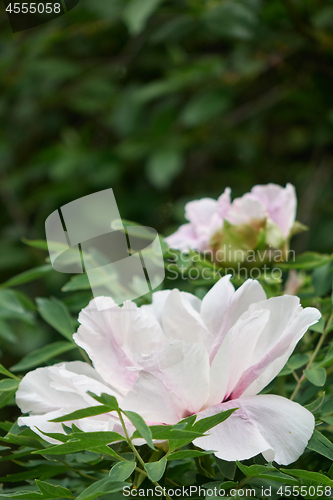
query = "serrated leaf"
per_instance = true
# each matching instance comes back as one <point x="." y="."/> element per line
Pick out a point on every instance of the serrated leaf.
<point x="155" y="470"/>
<point x="56" y="314"/>
<point x="141" y="426"/>
<point x="317" y="376"/>
<point x="320" y="444"/>
<point x="106" y="485"/>
<point x="40" y="356"/>
<point x="122" y="470"/>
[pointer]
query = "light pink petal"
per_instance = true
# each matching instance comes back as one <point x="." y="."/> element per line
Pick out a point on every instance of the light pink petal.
<point x="274" y="426"/>
<point x="185" y="238"/>
<point x="181" y="319"/>
<point x="243" y="338"/>
<point x="76" y="379"/>
<point x="223" y="203"/>
<point x="250" y="292"/>
<point x="113" y="337"/>
<point x="281" y="204"/>
<point x="214" y="311"/>
<point x="205" y="220"/>
<point x="185" y="372"/>
<point x="219" y="375"/>
<point x="158" y="301"/>
<point x="246" y="209"/>
<point x="38" y="392"/>
<point x="41" y="423"/>
<point x="54" y="391"/>
<point x="222" y="306"/>
<point x="288" y="322"/>
<point x="198" y="212"/>
<point x="152" y="400"/>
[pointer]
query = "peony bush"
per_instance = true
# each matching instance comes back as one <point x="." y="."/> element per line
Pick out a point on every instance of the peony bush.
<point x="263" y="219"/>
<point x="200" y="389"/>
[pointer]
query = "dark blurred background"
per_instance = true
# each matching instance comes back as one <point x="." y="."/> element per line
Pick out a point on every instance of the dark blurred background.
<point x="165" y="101"/>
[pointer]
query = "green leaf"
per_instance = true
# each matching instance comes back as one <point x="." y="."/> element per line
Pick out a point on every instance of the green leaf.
<point x="294" y="363"/>
<point x="266" y="472"/>
<point x="168" y="432"/>
<point x="6" y="332"/>
<point x="80" y="441"/>
<point x="42" y="355"/>
<point x="46" y="491"/>
<point x="106" y="485"/>
<point x="207" y="423"/>
<point x="228" y="469"/>
<point x="27" y="276"/>
<point x="141" y="426"/>
<point x="308" y="260"/>
<point x="84" y="413"/>
<point x="317" y="376"/>
<point x="122" y="470"/>
<point x="137" y="12"/>
<point x="155" y="470"/>
<point x="163" y="166"/>
<point x="315" y="405"/>
<point x="11" y="306"/>
<point x="56" y="314"/>
<point x="179" y="455"/>
<point x="319" y="326"/>
<point x="105" y="399"/>
<point x="310" y="476"/>
<point x="327" y="361"/>
<point x="8" y="384"/>
<point x="4" y="371"/>
<point x="320" y="444"/>
<point x="204" y="107"/>
<point x="79" y="282"/>
<point x="53" y="491"/>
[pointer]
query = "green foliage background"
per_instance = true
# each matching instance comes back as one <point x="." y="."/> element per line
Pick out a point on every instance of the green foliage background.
<point x="164" y="101"/>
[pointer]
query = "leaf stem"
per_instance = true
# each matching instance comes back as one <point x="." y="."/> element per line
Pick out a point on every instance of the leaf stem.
<point x="311" y="360"/>
<point x="136" y="453"/>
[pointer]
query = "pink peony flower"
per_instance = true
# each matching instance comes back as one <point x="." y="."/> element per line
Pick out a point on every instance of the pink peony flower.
<point x="181" y="356"/>
<point x="269" y="208"/>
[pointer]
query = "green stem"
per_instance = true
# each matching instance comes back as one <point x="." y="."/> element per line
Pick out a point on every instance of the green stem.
<point x="135" y="451"/>
<point x="311" y="360"/>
